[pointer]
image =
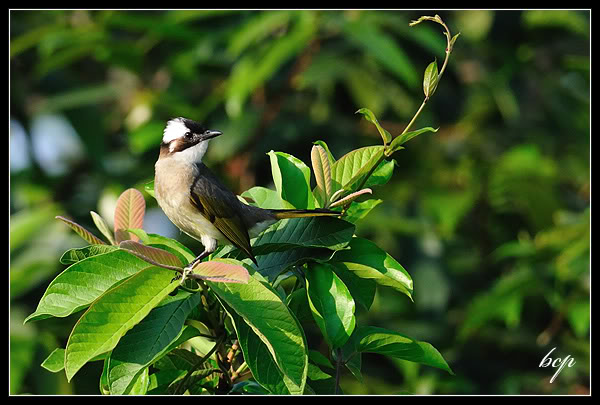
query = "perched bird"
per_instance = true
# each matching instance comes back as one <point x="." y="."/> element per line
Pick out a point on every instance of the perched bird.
<point x="196" y="201"/>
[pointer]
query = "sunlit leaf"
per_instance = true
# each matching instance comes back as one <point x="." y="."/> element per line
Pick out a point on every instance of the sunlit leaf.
<point x="129" y="213"/>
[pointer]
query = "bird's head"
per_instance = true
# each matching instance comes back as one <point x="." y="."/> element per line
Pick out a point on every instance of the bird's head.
<point x="186" y="139"/>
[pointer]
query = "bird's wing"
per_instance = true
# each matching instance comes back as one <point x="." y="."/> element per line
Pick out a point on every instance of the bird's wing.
<point x="218" y="204"/>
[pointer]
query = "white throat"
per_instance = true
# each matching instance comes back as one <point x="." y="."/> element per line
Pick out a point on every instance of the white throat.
<point x="193" y="154"/>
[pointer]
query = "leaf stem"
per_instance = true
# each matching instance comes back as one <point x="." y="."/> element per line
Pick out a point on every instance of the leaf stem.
<point x="338" y="366"/>
<point x="198" y="364"/>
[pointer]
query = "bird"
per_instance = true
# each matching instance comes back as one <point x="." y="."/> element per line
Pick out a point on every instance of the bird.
<point x="197" y="202"/>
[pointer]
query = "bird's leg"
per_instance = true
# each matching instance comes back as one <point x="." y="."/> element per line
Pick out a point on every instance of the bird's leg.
<point x="188" y="269"/>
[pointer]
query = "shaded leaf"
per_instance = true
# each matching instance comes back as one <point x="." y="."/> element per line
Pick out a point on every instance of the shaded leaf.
<point x="331" y="304"/>
<point x="389" y="343"/>
<point x="160" y="331"/>
<point x="262" y="309"/>
<point x="367" y="260"/>
<point x="292" y="180"/>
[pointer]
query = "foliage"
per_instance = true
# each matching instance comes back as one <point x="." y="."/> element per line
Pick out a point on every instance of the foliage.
<point x="490" y="215"/>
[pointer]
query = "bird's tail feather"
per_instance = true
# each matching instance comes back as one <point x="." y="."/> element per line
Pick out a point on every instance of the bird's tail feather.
<point x="294" y="213"/>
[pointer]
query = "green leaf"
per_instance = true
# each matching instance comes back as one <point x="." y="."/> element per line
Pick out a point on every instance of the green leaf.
<point x="103" y="227"/>
<point x="256" y="67"/>
<point x="383" y="48"/>
<point x="358" y="211"/>
<point x="81" y="231"/>
<point x="322" y="170"/>
<point x="151" y="339"/>
<point x="262" y="309"/>
<point x="430" y="79"/>
<point x="55" y="361"/>
<point x="292" y="180"/>
<point x="83" y="282"/>
<point x="257" y="27"/>
<point x="129" y="213"/>
<point x="265" y="198"/>
<point x="291" y="241"/>
<point x="75" y="255"/>
<point x="331" y="304"/>
<point x="382" y="174"/>
<point x="389" y="343"/>
<point x="259" y="359"/>
<point x="402" y="139"/>
<point x="367" y="260"/>
<point x="369" y="116"/>
<point x="149" y="188"/>
<point x="350" y="169"/>
<point x="362" y="289"/>
<point x="115" y="312"/>
<point x="327" y="232"/>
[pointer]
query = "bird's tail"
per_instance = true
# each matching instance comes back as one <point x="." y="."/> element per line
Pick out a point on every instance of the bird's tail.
<point x="293" y="213"/>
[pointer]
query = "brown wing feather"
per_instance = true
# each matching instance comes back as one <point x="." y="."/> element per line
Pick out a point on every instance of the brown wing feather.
<point x="217" y="204"/>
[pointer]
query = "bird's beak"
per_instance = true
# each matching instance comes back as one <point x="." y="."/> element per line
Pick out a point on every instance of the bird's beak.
<point x="209" y="134"/>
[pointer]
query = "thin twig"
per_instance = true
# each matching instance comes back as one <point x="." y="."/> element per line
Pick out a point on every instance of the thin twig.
<point x="338" y="370"/>
<point x="198" y="364"/>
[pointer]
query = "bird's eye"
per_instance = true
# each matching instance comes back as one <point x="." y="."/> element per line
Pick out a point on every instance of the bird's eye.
<point x="188" y="135"/>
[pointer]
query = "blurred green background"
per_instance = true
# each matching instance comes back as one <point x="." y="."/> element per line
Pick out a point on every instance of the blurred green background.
<point x="490" y="216"/>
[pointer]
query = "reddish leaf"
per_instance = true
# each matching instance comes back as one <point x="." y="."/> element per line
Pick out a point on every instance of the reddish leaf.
<point x="155" y="256"/>
<point x="351" y="197"/>
<point x="81" y="231"/>
<point x="222" y="270"/>
<point x="129" y="214"/>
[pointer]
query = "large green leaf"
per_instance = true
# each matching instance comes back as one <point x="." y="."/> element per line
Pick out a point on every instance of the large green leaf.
<point x="83" y="282"/>
<point x="351" y="168"/>
<point x="389" y="343"/>
<point x="358" y="211"/>
<point x="259" y="359"/>
<point x="115" y="312"/>
<point x="292" y="179"/>
<point x="265" y="198"/>
<point x="262" y="309"/>
<point x="150" y="339"/>
<point x="326" y="232"/>
<point x="331" y="304"/>
<point x="367" y="260"/>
